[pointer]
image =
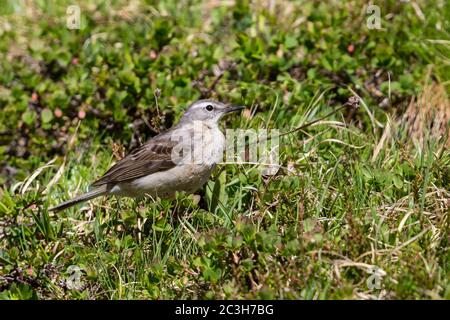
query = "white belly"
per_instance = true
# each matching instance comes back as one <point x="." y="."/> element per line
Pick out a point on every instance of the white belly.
<point x="165" y="184"/>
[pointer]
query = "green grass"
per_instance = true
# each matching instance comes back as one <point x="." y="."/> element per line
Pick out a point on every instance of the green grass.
<point x="354" y="193"/>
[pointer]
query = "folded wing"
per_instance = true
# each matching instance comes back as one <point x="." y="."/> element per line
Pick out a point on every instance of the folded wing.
<point x="151" y="157"/>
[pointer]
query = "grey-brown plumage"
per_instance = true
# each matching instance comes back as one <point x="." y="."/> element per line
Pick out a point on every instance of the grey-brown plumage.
<point x="151" y="157"/>
<point x="156" y="168"/>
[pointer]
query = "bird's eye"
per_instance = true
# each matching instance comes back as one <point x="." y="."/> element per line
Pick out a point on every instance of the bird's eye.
<point x="209" y="107"/>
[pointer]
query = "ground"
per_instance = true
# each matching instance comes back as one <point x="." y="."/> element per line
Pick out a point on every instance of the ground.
<point x="359" y="209"/>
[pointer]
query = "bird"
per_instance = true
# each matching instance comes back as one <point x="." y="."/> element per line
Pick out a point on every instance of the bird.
<point x="180" y="159"/>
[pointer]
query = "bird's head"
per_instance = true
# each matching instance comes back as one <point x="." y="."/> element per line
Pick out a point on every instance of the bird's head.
<point x="208" y="111"/>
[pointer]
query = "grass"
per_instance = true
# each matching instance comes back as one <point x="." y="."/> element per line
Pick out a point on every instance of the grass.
<point x="366" y="190"/>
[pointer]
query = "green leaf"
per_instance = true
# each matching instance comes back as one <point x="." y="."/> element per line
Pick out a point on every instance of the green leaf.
<point x="398" y="181"/>
<point x="162" y="226"/>
<point x="46" y="115"/>
<point x="29" y="117"/>
<point x="290" y="42"/>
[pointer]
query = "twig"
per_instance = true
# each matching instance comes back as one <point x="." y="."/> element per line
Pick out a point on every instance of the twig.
<point x="352" y="102"/>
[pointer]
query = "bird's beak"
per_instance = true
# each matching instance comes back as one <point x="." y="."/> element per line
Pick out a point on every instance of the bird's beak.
<point x="233" y="108"/>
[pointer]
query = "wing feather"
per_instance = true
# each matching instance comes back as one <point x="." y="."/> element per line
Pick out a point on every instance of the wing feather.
<point x="151" y="157"/>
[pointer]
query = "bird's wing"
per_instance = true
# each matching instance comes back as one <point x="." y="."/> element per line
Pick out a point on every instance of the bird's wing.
<point x="151" y="157"/>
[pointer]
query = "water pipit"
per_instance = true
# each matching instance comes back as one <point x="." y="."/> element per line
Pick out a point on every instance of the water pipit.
<point x="180" y="159"/>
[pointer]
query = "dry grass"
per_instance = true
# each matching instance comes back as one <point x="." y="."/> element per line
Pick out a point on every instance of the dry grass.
<point x="429" y="114"/>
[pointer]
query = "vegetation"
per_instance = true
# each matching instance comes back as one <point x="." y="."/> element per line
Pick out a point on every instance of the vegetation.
<point x="361" y="197"/>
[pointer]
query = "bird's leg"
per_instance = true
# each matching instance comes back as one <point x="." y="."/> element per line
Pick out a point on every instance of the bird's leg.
<point x="181" y="207"/>
<point x="137" y="205"/>
<point x="139" y="225"/>
<point x="175" y="212"/>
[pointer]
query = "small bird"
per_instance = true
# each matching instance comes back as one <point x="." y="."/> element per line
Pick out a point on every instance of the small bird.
<point x="176" y="160"/>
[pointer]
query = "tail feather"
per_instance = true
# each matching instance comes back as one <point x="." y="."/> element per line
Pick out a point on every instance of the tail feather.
<point x="84" y="197"/>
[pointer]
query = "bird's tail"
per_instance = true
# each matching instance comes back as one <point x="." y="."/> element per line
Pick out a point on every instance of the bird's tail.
<point x="99" y="191"/>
